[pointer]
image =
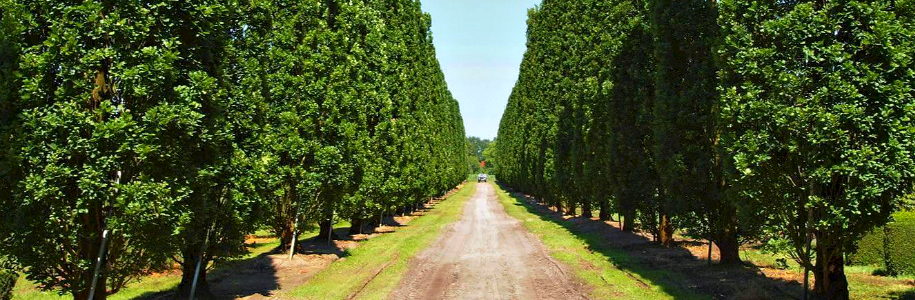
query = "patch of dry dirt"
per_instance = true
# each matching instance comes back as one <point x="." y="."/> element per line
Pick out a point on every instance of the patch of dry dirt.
<point x="266" y="276"/>
<point x="486" y="255"/>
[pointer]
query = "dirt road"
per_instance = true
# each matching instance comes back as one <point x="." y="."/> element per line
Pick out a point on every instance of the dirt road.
<point x="486" y="255"/>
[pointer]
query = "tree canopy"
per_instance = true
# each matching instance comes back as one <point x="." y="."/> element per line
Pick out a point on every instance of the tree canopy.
<point x="730" y="120"/>
<point x="173" y="129"/>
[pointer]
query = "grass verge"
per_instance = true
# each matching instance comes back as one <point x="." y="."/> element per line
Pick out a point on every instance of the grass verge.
<point x="595" y="265"/>
<point x="372" y="270"/>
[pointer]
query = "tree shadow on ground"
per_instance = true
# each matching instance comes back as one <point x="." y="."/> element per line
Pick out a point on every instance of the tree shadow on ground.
<point x="319" y="245"/>
<point x="904" y="295"/>
<point x="235" y="279"/>
<point x="676" y="270"/>
<point x="262" y="276"/>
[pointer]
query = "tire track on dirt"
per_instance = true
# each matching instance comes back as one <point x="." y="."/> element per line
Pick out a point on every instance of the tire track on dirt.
<point x="486" y="255"/>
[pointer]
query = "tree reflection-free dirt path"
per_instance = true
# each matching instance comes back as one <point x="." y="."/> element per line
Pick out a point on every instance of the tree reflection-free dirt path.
<point x="486" y="255"/>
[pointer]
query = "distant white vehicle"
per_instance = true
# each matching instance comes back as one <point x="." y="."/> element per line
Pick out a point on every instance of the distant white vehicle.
<point x="481" y="177"/>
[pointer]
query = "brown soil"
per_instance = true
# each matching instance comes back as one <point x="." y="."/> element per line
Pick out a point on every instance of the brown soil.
<point x="486" y="255"/>
<point x="268" y="275"/>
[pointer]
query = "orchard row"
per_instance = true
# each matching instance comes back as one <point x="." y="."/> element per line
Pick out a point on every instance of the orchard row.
<point x="180" y="127"/>
<point x="790" y="123"/>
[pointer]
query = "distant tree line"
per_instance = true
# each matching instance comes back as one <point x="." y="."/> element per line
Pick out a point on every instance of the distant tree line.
<point x="480" y="154"/>
<point x="786" y="122"/>
<point x="179" y="127"/>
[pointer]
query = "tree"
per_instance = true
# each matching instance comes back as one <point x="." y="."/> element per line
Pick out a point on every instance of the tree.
<point x="163" y="129"/>
<point x="489" y="155"/>
<point x="820" y="95"/>
<point x="148" y="166"/>
<point x="476" y="146"/>
<point x="688" y="130"/>
<point x="84" y="134"/>
<point x="10" y="82"/>
<point x="223" y="163"/>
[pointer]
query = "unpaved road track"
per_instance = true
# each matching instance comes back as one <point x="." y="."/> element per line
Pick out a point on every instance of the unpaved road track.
<point x="486" y="255"/>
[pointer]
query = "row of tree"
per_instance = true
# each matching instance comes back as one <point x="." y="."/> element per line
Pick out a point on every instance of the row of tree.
<point x="787" y="122"/>
<point x="156" y="131"/>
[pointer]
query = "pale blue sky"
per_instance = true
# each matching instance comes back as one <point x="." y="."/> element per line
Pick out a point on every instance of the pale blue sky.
<point x="479" y="44"/>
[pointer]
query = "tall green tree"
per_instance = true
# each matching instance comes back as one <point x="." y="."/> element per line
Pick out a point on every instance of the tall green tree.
<point x="124" y="115"/>
<point x="10" y="81"/>
<point x="85" y="105"/>
<point x="688" y="130"/>
<point x="223" y="163"/>
<point x="489" y="155"/>
<point x="820" y="95"/>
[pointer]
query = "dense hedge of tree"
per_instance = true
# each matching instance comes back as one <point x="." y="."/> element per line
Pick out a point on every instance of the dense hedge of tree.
<point x="787" y="122"/>
<point x="171" y="130"/>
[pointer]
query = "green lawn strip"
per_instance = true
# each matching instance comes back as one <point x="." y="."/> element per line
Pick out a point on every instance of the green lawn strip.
<point x="26" y="289"/>
<point x="372" y="270"/>
<point x="596" y="265"/>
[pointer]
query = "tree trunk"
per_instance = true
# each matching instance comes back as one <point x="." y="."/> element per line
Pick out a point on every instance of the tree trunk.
<point x="356" y="227"/>
<point x="604" y="213"/>
<point x="558" y="206"/>
<point x="100" y="291"/>
<point x="728" y="248"/>
<point x="665" y="231"/>
<point x="92" y="239"/>
<point x="829" y="273"/>
<point x="327" y="227"/>
<point x="187" y="277"/>
<point x="628" y="220"/>
<point x="285" y="234"/>
<point x="586" y="209"/>
<point x="286" y="214"/>
<point x="571" y="210"/>
<point x="726" y="238"/>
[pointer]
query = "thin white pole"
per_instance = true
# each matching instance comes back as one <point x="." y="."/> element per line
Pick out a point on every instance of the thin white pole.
<point x="206" y="240"/>
<point x="295" y="224"/>
<point x="197" y="268"/>
<point x="101" y="250"/>
<point x="98" y="264"/>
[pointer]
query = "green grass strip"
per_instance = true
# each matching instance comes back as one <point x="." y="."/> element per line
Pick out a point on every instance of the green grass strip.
<point x="594" y="264"/>
<point x="373" y="270"/>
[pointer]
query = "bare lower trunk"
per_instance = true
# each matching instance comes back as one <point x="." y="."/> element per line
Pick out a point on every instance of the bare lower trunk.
<point x="327" y="227"/>
<point x="92" y="239"/>
<point x="286" y="214"/>
<point x="829" y="273"/>
<point x="728" y="248"/>
<point x="285" y="234"/>
<point x="726" y="237"/>
<point x="571" y="210"/>
<point x="187" y="278"/>
<point x="604" y="213"/>
<point x="100" y="290"/>
<point x="586" y="209"/>
<point x="356" y="227"/>
<point x="665" y="231"/>
<point x="628" y="220"/>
